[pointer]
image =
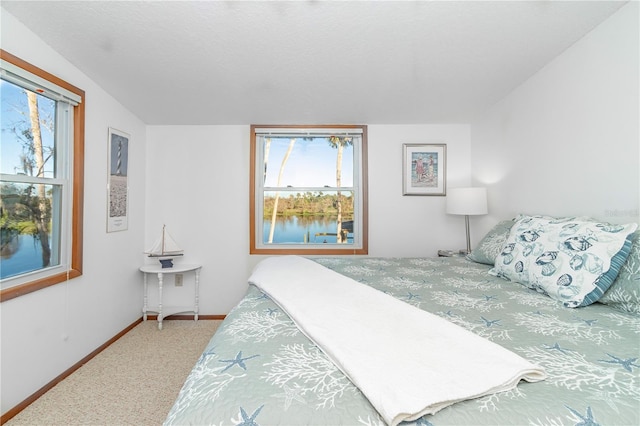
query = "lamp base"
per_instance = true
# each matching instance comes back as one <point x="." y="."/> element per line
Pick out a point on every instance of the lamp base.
<point x="466" y="224"/>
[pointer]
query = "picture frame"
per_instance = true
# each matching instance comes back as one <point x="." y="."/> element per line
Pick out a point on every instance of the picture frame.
<point x="118" y="181"/>
<point x="424" y="169"/>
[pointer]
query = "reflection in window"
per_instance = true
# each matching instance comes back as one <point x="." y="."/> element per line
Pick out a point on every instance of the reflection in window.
<point x="30" y="239"/>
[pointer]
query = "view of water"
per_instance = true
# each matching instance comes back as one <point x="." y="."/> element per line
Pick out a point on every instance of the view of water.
<point x="28" y="257"/>
<point x="292" y="229"/>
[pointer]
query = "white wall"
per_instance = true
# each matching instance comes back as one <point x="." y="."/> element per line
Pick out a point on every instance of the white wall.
<point x="413" y="225"/>
<point x="567" y="142"/>
<point x="91" y="309"/>
<point x="198" y="183"/>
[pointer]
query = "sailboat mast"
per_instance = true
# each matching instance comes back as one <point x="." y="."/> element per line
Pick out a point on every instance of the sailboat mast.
<point x="162" y="251"/>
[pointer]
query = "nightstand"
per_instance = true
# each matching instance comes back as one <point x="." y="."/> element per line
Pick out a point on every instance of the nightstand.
<point x="162" y="310"/>
<point x="452" y="253"/>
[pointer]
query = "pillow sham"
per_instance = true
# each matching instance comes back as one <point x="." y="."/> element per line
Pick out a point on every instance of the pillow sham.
<point x="573" y="260"/>
<point x="624" y="293"/>
<point x="491" y="244"/>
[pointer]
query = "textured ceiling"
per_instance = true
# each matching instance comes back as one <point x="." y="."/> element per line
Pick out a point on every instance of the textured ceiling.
<point x="214" y="62"/>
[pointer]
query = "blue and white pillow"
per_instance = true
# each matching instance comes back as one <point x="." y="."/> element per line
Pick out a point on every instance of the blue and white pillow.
<point x="573" y="260"/>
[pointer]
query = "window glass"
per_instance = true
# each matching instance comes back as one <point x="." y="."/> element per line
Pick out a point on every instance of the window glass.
<point x="309" y="217"/>
<point x="21" y="108"/>
<point x="311" y="163"/>
<point x="309" y="189"/>
<point x="29" y="242"/>
<point x="28" y="153"/>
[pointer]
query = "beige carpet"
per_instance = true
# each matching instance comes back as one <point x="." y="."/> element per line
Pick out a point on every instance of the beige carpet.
<point x="135" y="381"/>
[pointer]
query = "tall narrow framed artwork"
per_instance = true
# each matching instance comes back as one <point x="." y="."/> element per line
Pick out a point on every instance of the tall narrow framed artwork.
<point x="424" y="169"/>
<point x="118" y="185"/>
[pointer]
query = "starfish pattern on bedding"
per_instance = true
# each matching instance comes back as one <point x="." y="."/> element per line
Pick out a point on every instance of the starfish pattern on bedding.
<point x="411" y="296"/>
<point x="291" y="394"/>
<point x="491" y="323"/>
<point x="627" y="364"/>
<point x="206" y="354"/>
<point x="586" y="420"/>
<point x="589" y="322"/>
<point x="238" y="360"/>
<point x="249" y="420"/>
<point x="557" y="347"/>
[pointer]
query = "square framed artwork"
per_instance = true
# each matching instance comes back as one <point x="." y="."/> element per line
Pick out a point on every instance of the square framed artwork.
<point x="424" y="169"/>
<point x="118" y="185"/>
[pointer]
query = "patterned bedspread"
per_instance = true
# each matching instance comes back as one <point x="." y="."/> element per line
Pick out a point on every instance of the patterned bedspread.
<point x="259" y="369"/>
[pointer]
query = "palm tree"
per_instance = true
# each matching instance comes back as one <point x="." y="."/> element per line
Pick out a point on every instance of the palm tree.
<point x="275" y="203"/>
<point x="40" y="213"/>
<point x="339" y="142"/>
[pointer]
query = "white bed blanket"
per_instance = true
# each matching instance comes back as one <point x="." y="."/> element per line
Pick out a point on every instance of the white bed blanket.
<point x="406" y="361"/>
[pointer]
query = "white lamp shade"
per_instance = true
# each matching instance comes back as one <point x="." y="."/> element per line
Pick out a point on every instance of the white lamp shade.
<point x="467" y="201"/>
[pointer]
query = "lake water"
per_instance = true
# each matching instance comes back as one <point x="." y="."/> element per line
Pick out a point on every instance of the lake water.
<point x="292" y="229"/>
<point x="27" y="258"/>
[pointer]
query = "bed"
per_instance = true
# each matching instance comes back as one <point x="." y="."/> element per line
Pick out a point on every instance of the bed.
<point x="261" y="369"/>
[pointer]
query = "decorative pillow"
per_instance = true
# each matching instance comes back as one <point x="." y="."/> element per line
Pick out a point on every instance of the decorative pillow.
<point x="574" y="260"/>
<point x="491" y="244"/>
<point x="624" y="293"/>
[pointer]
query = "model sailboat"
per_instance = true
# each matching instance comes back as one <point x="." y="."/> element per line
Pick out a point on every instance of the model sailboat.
<point x="165" y="249"/>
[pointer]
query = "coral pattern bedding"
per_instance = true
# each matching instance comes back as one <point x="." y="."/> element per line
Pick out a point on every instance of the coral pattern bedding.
<point x="378" y="353"/>
<point x="259" y="369"/>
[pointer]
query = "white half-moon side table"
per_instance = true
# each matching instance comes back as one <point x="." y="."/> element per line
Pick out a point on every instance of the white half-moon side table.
<point x="166" y="310"/>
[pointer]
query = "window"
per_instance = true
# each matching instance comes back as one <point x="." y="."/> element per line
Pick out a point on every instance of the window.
<point x="308" y="191"/>
<point x="41" y="178"/>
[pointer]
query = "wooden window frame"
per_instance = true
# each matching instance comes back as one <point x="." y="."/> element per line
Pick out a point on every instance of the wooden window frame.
<point x="77" y="173"/>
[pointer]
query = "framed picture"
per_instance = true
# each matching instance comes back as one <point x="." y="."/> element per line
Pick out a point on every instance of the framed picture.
<point x="424" y="169"/>
<point x="118" y="184"/>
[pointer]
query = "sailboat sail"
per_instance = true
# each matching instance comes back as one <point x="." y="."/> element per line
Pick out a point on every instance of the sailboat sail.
<point x="165" y="246"/>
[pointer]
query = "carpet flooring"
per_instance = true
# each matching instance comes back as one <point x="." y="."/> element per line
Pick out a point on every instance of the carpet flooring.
<point x="134" y="381"/>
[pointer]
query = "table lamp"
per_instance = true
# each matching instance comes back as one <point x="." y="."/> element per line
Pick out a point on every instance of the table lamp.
<point x="467" y="201"/>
